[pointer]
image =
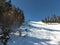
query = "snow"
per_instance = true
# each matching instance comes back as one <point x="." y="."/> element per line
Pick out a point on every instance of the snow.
<point x="38" y="33"/>
<point x="17" y="33"/>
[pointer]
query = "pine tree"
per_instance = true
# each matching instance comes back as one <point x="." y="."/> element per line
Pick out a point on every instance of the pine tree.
<point x="8" y="16"/>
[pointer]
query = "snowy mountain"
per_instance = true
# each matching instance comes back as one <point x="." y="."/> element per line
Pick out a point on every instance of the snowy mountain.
<point x="37" y="33"/>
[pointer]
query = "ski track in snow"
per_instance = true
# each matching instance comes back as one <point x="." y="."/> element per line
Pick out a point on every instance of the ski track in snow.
<point x="38" y="33"/>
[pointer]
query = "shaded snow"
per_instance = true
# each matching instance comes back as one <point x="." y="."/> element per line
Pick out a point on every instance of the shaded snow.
<point x="38" y="33"/>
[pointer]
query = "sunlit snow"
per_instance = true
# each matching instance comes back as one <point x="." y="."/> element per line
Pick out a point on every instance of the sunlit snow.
<point x="38" y="33"/>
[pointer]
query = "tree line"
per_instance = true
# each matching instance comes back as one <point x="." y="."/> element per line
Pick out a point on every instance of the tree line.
<point x="52" y="19"/>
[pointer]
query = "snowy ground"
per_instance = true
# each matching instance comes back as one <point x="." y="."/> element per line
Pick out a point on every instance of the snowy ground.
<point x="38" y="33"/>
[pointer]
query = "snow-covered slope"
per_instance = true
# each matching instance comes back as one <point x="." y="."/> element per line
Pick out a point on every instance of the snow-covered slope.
<point x="38" y="33"/>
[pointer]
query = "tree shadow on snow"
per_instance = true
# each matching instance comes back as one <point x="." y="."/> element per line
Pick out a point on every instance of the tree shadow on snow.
<point x="29" y="41"/>
<point x="34" y="41"/>
<point x="44" y="28"/>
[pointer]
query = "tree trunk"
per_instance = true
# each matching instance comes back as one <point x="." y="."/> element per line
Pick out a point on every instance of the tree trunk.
<point x="4" y="42"/>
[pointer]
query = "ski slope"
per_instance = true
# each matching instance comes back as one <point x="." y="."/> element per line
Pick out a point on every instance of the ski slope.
<point x="38" y="33"/>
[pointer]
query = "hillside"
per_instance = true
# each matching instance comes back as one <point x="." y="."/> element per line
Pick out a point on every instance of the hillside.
<point x="38" y="33"/>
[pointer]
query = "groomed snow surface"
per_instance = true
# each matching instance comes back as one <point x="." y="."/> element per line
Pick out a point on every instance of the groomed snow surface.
<point x="38" y="33"/>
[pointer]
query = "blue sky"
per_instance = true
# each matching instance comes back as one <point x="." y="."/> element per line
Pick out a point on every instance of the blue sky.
<point x="36" y="10"/>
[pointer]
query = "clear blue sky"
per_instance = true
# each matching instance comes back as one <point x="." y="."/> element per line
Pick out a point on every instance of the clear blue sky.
<point x="38" y="9"/>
